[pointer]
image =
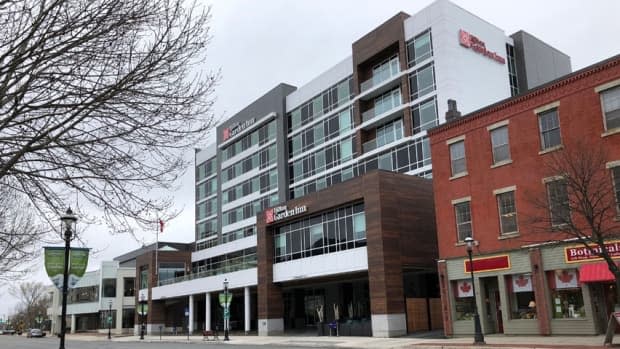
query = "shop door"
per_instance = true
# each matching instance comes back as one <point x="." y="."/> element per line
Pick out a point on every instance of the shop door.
<point x="493" y="306"/>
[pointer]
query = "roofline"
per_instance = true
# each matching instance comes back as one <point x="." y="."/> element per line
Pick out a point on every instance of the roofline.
<point x="529" y="94"/>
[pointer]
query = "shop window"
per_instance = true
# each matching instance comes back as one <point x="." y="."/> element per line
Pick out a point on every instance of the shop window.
<point x="522" y="301"/>
<point x="464" y="299"/>
<point x="129" y="287"/>
<point x="566" y="296"/>
<point x="109" y="287"/>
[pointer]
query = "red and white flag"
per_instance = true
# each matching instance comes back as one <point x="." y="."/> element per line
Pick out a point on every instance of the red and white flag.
<point x="522" y="283"/>
<point x="465" y="288"/>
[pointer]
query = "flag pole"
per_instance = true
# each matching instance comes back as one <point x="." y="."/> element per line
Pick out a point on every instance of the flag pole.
<point x="158" y="224"/>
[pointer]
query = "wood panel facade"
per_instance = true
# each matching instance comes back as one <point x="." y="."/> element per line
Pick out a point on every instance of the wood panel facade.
<point x="400" y="233"/>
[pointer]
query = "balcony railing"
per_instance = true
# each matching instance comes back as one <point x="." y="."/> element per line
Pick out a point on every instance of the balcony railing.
<point x="390" y="70"/>
<point x="233" y="264"/>
<point x="370" y="145"/>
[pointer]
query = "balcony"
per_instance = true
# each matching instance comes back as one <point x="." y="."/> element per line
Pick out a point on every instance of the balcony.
<point x="232" y="265"/>
<point x="369" y="146"/>
<point x="383" y="79"/>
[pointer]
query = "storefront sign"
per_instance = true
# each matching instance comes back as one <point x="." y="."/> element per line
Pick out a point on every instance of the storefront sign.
<point x="489" y="264"/>
<point x="55" y="261"/>
<point x="566" y="278"/>
<point x="522" y="283"/>
<point x="581" y="253"/>
<point x="234" y="129"/>
<point x="477" y="45"/>
<point x="464" y="289"/>
<point x="280" y="212"/>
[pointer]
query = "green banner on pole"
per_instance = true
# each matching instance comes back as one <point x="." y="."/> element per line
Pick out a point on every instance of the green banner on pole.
<point x="55" y="261"/>
<point x="143" y="309"/>
<point x="224" y="302"/>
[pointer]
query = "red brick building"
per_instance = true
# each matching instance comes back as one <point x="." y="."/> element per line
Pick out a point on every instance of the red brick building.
<point x="488" y="167"/>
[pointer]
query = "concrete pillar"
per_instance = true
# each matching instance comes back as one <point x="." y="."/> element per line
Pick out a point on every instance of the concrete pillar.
<point x="246" y="308"/>
<point x="190" y="324"/>
<point x="119" y="315"/>
<point x="207" y="311"/>
<point x="73" y="326"/>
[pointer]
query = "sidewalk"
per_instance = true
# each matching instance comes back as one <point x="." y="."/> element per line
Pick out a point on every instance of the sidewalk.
<point x="493" y="341"/>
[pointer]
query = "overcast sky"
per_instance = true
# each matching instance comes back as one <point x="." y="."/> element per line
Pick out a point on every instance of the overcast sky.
<point x="258" y="44"/>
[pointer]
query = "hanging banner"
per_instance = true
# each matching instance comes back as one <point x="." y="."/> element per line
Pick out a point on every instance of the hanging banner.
<point x="55" y="262"/>
<point x="465" y="288"/>
<point x="522" y="283"/>
<point x="224" y="300"/>
<point x="566" y="278"/>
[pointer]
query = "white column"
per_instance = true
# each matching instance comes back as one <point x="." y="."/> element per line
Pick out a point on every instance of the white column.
<point x="72" y="323"/>
<point x="246" y="308"/>
<point x="207" y="311"/>
<point x="190" y="324"/>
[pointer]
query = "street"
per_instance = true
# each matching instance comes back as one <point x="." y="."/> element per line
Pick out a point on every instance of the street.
<point x="21" y="342"/>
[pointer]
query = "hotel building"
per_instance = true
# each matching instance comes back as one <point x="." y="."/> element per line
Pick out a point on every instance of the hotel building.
<point x="283" y="212"/>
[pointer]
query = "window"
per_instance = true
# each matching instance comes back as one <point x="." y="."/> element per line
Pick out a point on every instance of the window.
<point x="422" y="81"/>
<point x="420" y="48"/>
<point x="611" y="108"/>
<point x="464" y="300"/>
<point x="129" y="287"/>
<point x="615" y="174"/>
<point x="109" y="287"/>
<point x="522" y="301"/>
<point x="144" y="277"/>
<point x="499" y="142"/>
<point x="463" y="220"/>
<point x="169" y="271"/>
<point x="549" y="124"/>
<point x="507" y="212"/>
<point x="566" y="296"/>
<point x="457" y="158"/>
<point x="424" y="115"/>
<point x="559" y="208"/>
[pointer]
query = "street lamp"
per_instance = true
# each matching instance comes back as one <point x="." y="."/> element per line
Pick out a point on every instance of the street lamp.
<point x="68" y="221"/>
<point x="142" y="302"/>
<point x="478" y="336"/>
<point x="110" y="319"/>
<point x="226" y="310"/>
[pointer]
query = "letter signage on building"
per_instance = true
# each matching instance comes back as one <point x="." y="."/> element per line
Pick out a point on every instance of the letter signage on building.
<point x="277" y="213"/>
<point x="234" y="129"/>
<point x="581" y="253"/>
<point x="469" y="41"/>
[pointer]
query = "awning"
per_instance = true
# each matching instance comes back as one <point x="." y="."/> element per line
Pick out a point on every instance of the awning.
<point x="595" y="272"/>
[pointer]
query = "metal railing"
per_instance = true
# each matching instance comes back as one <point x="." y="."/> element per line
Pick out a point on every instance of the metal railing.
<point x="231" y="265"/>
<point x="370" y="145"/>
<point x="392" y="70"/>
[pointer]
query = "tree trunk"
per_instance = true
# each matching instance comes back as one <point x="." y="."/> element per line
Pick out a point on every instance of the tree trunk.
<point x="617" y="305"/>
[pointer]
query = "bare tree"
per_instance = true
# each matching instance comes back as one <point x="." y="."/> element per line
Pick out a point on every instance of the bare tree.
<point x="579" y="202"/>
<point x="33" y="301"/>
<point x="100" y="100"/>
<point x="20" y="235"/>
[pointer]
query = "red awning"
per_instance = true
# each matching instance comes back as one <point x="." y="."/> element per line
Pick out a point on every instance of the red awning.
<point x="595" y="272"/>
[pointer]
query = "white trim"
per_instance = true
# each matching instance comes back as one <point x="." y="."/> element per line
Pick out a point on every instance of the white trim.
<point x="459" y="175"/>
<point x="455" y="140"/>
<point x="501" y="163"/>
<point x="505" y="190"/>
<point x="498" y="125"/>
<point x="612" y="164"/>
<point x="607" y="86"/>
<point x="461" y="200"/>
<point x="546" y="107"/>
<point x="613" y="131"/>
<point x="551" y="149"/>
<point x="552" y="179"/>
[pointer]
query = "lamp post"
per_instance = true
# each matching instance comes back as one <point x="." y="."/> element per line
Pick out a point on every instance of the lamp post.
<point x="478" y="336"/>
<point x="110" y="319"/>
<point x="226" y="310"/>
<point x="142" y="301"/>
<point x="68" y="221"/>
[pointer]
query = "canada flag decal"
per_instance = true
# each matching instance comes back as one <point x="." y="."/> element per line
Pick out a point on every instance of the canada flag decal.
<point x="522" y="283"/>
<point x="465" y="289"/>
<point x="566" y="278"/>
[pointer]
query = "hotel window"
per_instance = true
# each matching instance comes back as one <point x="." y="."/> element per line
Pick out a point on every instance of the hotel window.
<point x="424" y="115"/>
<point x="457" y="158"/>
<point x="549" y="124"/>
<point x="464" y="300"/>
<point x="611" y="107"/>
<point x="422" y="81"/>
<point x="507" y="212"/>
<point x="566" y="296"/>
<point x="420" y="48"/>
<point x="462" y="212"/>
<point x="615" y="175"/>
<point x="390" y="132"/>
<point x="521" y="298"/>
<point x="500" y="144"/>
<point x="559" y="208"/>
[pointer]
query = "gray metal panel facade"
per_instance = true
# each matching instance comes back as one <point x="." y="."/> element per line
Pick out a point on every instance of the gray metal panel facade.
<point x="537" y="62"/>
